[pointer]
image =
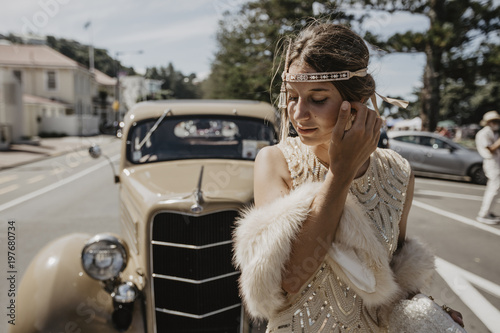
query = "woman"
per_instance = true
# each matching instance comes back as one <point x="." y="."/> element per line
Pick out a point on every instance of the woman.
<point x="324" y="248"/>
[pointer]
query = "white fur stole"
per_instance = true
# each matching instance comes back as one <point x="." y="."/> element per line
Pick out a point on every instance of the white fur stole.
<point x="263" y="241"/>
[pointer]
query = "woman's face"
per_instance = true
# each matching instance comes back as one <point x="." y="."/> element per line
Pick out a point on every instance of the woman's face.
<point x="313" y="107"/>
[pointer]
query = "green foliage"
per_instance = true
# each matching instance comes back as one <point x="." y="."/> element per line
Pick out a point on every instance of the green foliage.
<point x="80" y="53"/>
<point x="460" y="70"/>
<point x="14" y="39"/>
<point x="460" y="80"/>
<point x="249" y="40"/>
<point x="175" y="84"/>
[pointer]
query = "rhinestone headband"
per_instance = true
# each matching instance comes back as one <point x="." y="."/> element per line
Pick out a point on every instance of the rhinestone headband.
<point x="322" y="77"/>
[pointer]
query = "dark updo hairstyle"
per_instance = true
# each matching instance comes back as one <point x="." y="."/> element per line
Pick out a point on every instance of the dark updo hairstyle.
<point x="327" y="47"/>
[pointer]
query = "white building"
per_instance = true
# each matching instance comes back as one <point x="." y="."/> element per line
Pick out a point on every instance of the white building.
<point x="137" y="87"/>
<point x="45" y="73"/>
<point x="11" y="109"/>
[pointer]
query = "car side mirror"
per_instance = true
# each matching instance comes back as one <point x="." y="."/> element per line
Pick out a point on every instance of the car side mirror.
<point x="96" y="152"/>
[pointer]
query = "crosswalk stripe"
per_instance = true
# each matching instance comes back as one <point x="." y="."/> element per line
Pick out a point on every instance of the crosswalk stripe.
<point x="461" y="282"/>
<point x="456" y="217"/>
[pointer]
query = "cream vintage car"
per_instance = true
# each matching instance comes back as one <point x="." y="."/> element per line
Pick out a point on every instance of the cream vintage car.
<point x="185" y="172"/>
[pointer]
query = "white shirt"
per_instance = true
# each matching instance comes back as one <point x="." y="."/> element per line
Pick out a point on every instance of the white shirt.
<point x="485" y="138"/>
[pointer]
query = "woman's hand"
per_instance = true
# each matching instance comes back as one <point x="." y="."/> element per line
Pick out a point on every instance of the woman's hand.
<point x="350" y="149"/>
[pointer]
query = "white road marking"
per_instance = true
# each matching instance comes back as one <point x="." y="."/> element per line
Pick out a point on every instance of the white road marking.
<point x="8" y="178"/>
<point x="450" y="195"/>
<point x="8" y="189"/>
<point x="456" y="217"/>
<point x="55" y="185"/>
<point x="462" y="283"/>
<point x="419" y="180"/>
<point x="35" y="179"/>
<point x="57" y="171"/>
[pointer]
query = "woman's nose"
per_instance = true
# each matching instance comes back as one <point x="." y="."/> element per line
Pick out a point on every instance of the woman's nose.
<point x="301" y="111"/>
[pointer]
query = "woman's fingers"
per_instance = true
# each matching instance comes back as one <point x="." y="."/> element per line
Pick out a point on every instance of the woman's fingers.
<point x="342" y="120"/>
<point x="367" y="120"/>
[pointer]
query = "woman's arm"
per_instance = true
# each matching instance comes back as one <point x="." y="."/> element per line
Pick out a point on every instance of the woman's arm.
<point x="406" y="210"/>
<point x="348" y="152"/>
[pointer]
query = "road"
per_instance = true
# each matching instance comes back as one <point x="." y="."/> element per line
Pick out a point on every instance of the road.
<point x="74" y="193"/>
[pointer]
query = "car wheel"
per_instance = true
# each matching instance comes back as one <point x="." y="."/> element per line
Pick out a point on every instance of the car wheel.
<point x="477" y="175"/>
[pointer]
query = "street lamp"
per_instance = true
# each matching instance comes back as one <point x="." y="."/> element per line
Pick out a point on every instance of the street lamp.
<point x="117" y="103"/>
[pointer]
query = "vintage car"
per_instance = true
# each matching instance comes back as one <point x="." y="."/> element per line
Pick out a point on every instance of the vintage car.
<point x="186" y="170"/>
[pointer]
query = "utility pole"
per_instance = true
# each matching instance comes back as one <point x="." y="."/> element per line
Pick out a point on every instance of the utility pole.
<point x="91" y="46"/>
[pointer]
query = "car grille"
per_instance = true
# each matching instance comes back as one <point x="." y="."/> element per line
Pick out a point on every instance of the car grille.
<point x="195" y="285"/>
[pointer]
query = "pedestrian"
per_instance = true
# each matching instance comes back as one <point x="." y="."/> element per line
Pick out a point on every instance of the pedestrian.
<point x="488" y="144"/>
<point x="325" y="247"/>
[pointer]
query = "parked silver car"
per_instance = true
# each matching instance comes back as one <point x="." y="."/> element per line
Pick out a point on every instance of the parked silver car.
<point x="433" y="153"/>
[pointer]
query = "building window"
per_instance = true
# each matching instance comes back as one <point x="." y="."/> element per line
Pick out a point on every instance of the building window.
<point x="10" y="93"/>
<point x="18" y="75"/>
<point x="51" y="80"/>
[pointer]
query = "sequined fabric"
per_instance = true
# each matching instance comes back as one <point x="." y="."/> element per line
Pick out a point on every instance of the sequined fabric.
<point x="326" y="303"/>
<point x="421" y="315"/>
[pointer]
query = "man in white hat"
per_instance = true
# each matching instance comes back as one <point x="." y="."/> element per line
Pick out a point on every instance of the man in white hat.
<point x="488" y="146"/>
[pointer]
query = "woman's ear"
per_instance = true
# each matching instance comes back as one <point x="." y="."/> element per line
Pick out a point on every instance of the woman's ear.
<point x="351" y="120"/>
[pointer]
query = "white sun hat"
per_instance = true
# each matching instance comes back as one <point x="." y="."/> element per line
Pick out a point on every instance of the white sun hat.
<point x="489" y="116"/>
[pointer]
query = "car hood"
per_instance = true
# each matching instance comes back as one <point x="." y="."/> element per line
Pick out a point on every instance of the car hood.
<point x="173" y="184"/>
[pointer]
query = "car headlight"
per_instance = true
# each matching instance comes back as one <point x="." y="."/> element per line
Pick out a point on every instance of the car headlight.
<point x="104" y="257"/>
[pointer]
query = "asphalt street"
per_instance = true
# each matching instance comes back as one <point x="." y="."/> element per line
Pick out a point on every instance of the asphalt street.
<point x="75" y="193"/>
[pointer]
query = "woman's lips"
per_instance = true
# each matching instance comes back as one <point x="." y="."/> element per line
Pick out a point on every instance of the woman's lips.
<point x="305" y="131"/>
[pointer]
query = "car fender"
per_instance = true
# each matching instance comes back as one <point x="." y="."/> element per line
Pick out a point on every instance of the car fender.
<point x="57" y="296"/>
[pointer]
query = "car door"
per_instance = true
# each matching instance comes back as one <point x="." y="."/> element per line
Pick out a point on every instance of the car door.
<point x="439" y="156"/>
<point x="408" y="147"/>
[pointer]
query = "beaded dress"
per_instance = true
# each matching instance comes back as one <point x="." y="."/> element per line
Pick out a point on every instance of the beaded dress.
<point x="326" y="303"/>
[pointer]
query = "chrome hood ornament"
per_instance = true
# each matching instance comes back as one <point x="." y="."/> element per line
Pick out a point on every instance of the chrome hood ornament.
<point x="198" y="195"/>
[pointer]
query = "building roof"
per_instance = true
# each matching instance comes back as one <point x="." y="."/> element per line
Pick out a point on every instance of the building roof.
<point x="104" y="79"/>
<point x="30" y="99"/>
<point x="34" y="56"/>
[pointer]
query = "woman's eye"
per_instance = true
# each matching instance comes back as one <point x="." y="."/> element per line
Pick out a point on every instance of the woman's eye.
<point x="292" y="98"/>
<point x="319" y="101"/>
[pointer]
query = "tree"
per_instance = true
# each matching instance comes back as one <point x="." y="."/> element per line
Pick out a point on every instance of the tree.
<point x="247" y="41"/>
<point x="80" y="53"/>
<point x="451" y="66"/>
<point x="175" y="84"/>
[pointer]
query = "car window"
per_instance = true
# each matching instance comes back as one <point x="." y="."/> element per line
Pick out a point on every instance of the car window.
<point x="407" y="138"/>
<point x="191" y="137"/>
<point x="433" y="142"/>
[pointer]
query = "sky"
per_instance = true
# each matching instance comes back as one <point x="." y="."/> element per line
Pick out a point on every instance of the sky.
<point x="183" y="33"/>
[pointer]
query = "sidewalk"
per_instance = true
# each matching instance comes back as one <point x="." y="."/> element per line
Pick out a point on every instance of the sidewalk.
<point x="20" y="154"/>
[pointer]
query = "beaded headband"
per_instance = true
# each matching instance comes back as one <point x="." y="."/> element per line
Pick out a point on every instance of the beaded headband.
<point x="325" y="77"/>
<point x="314" y="77"/>
<point x="322" y="77"/>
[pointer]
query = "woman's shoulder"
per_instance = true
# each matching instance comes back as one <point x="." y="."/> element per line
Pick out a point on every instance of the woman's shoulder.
<point x="269" y="154"/>
<point x="270" y="162"/>
<point x="390" y="161"/>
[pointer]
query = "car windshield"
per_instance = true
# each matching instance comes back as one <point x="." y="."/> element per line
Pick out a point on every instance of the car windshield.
<point x="194" y="137"/>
